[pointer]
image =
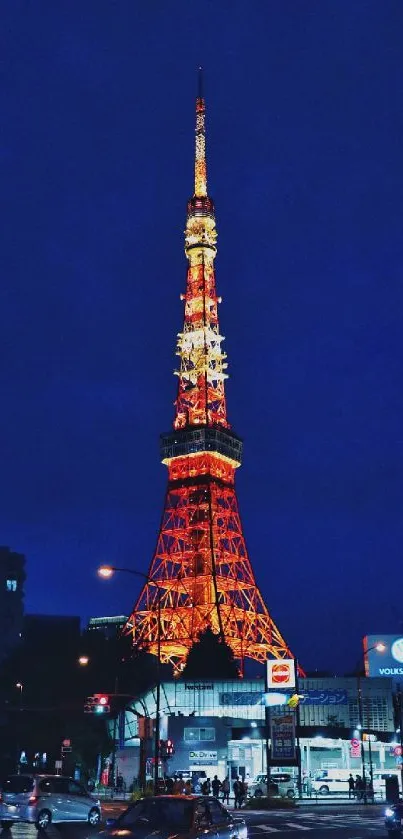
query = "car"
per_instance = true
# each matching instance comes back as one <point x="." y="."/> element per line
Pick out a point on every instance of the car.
<point x="42" y="799"/>
<point x="281" y="783"/>
<point x="330" y="781"/>
<point x="166" y="815"/>
<point x="393" y="820"/>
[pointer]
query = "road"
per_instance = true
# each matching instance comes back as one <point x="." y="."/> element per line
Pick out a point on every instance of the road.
<point x="316" y="822"/>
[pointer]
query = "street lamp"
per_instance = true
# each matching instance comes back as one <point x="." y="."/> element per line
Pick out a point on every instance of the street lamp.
<point x="20" y="687"/>
<point x="380" y="647"/>
<point x="83" y="660"/>
<point x="107" y="571"/>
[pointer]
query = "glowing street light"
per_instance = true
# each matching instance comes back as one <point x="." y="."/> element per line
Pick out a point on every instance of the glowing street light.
<point x="106" y="571"/>
<point x="83" y="660"/>
<point x="380" y="647"/>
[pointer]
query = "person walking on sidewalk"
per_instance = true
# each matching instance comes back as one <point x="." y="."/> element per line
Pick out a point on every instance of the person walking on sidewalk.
<point x="351" y="786"/>
<point x="225" y="787"/>
<point x="237" y="793"/>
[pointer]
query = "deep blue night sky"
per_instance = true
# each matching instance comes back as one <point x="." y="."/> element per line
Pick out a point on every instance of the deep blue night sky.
<point x="305" y="138"/>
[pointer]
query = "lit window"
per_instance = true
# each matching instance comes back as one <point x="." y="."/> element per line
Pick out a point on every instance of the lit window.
<point x="197" y="734"/>
<point x="11" y="585"/>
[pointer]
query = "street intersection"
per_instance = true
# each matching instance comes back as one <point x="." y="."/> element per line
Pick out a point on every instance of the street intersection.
<point x="348" y="822"/>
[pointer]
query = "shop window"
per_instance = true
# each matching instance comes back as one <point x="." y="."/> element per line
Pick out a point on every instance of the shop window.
<point x="195" y="735"/>
<point x="11" y="585"/>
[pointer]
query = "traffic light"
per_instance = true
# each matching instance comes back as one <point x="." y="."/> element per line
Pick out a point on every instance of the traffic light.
<point x="97" y="704"/>
<point x="166" y="749"/>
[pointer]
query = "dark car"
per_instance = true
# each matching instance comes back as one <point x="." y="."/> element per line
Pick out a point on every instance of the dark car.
<point x="393" y="819"/>
<point x="166" y="815"/>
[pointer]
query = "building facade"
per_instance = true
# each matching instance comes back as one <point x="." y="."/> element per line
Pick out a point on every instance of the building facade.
<point x="12" y="578"/>
<point x="219" y="727"/>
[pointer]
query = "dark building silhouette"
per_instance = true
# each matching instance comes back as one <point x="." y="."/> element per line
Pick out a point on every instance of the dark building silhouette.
<point x="12" y="578"/>
<point x="58" y="631"/>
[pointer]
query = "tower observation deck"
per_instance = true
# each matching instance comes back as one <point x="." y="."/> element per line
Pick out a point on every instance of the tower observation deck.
<point x="200" y="570"/>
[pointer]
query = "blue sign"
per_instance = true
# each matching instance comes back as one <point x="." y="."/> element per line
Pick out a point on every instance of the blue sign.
<point x="245" y="698"/>
<point x="283" y="738"/>
<point x="387" y="662"/>
<point x="121" y="729"/>
<point x="324" y="697"/>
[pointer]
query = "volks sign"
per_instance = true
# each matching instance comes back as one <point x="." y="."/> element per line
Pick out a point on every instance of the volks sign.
<point x="281" y="673"/>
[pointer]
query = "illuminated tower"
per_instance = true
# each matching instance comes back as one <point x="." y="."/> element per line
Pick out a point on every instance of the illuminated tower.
<point x="200" y="570"/>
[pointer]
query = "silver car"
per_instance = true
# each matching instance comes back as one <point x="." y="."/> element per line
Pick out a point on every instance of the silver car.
<point x="42" y="799"/>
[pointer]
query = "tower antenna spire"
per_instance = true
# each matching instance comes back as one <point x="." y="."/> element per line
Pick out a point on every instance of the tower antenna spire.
<point x="200" y="83"/>
<point x="200" y="148"/>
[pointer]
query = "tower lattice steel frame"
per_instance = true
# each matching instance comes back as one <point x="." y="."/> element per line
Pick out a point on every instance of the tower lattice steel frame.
<point x="201" y="567"/>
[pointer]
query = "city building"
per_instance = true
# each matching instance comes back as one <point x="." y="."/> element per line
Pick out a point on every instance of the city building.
<point x="218" y="727"/>
<point x="201" y="575"/>
<point x="59" y="631"/>
<point x="12" y="578"/>
<point x="109" y="626"/>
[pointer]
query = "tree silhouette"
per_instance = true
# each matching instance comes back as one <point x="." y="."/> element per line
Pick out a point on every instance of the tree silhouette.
<point x="210" y="658"/>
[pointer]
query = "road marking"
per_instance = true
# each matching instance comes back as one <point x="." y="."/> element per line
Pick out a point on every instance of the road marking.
<point x="297" y="826"/>
<point x="267" y="828"/>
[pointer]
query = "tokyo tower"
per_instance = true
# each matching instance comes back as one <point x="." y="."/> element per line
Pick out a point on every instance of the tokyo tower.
<point x="201" y="572"/>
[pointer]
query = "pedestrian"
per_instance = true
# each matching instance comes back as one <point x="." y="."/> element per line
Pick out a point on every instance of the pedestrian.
<point x="178" y="785"/>
<point x="351" y="786"/>
<point x="359" y="787"/>
<point x="206" y="787"/>
<point x="225" y="787"/>
<point x="237" y="792"/>
<point x="188" y="787"/>
<point x="215" y="786"/>
<point x="242" y="792"/>
<point x="169" y="783"/>
<point x="370" y="791"/>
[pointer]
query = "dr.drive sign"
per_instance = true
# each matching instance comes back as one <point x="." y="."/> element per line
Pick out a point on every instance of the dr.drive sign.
<point x="281" y="673"/>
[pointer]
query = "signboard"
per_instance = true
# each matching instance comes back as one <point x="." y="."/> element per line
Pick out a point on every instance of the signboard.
<point x="280" y="673"/>
<point x="283" y="738"/>
<point x="241" y="698"/>
<point x="324" y="697"/>
<point x="121" y="729"/>
<point x="355" y="747"/>
<point x="197" y="686"/>
<point x="203" y="754"/>
<point x="309" y="697"/>
<point x="58" y="764"/>
<point x="388" y="663"/>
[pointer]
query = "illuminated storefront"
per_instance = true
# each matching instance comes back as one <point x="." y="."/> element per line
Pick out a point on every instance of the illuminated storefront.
<point x="218" y="727"/>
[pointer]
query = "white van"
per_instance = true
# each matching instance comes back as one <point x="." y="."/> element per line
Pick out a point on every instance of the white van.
<point x="331" y="781"/>
<point x="281" y="784"/>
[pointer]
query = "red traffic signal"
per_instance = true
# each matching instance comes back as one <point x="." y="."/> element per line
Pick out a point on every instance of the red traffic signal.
<point x="166" y="748"/>
<point x="97" y="704"/>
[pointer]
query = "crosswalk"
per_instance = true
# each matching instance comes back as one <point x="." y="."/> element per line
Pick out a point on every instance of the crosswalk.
<point x="314" y="821"/>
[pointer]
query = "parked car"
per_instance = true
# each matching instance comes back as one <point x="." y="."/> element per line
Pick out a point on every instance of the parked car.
<point x="330" y="781"/>
<point x="42" y="799"/>
<point x="393" y="820"/>
<point x="281" y="783"/>
<point x="165" y="815"/>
